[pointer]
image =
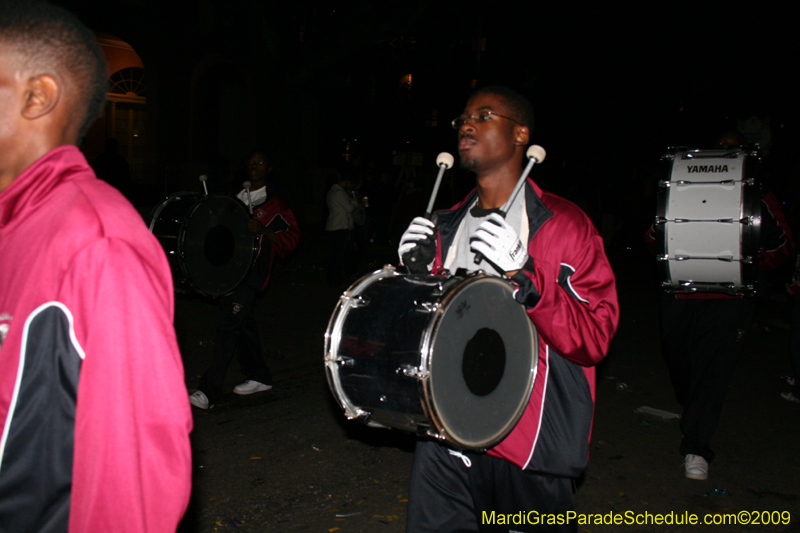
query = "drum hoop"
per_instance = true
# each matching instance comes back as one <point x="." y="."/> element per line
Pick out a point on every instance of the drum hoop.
<point x="154" y="216"/>
<point x="333" y="336"/>
<point x="429" y="340"/>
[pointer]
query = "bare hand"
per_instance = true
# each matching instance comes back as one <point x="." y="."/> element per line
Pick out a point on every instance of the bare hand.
<point x="255" y="226"/>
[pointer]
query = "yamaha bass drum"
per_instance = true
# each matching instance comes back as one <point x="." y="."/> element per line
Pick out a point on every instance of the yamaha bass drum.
<point x="708" y="220"/>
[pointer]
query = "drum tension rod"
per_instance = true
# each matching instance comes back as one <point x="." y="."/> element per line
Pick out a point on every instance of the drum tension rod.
<point x="356" y="301"/>
<point x="725" y="258"/>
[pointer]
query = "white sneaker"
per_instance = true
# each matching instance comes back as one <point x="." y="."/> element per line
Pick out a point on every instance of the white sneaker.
<point x="789" y="396"/>
<point x="696" y="467"/>
<point x="199" y="399"/>
<point x="250" y="387"/>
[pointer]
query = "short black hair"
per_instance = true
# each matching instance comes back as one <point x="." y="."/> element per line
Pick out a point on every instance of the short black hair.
<point x="50" y="39"/>
<point x="520" y="107"/>
<point x="729" y="138"/>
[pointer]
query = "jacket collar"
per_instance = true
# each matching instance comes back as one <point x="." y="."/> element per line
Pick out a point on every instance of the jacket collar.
<point x="450" y="219"/>
<point x="31" y="187"/>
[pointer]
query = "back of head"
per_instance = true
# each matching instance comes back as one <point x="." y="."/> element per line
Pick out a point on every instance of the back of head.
<point x="48" y="39"/>
<point x="729" y="139"/>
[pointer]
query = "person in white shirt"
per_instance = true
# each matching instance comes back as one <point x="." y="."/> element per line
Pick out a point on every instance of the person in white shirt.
<point x="342" y="203"/>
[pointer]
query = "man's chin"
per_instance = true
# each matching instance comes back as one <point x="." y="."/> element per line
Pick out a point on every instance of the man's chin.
<point x="468" y="164"/>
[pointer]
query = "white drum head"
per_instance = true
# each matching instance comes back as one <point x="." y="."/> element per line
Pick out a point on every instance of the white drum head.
<point x="482" y="363"/>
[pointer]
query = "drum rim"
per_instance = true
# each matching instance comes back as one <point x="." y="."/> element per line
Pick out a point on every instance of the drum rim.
<point x="154" y="215"/>
<point x="333" y="336"/>
<point x="429" y="341"/>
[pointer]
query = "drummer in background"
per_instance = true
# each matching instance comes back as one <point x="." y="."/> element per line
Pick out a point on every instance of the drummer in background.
<point x="703" y="333"/>
<point x="95" y="418"/>
<point x="549" y="249"/>
<point x="276" y="230"/>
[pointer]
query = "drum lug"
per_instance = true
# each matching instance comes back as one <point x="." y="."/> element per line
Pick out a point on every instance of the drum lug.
<point x="747" y="259"/>
<point x="664" y="257"/>
<point x="431" y="432"/>
<point x="412" y="372"/>
<point x="426" y="307"/>
<point x="355" y="301"/>
<point x="664" y="183"/>
<point x="360" y="415"/>
<point x="346" y="362"/>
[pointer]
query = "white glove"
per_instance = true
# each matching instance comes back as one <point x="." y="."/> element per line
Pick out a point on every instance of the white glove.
<point x="419" y="229"/>
<point x="499" y="243"/>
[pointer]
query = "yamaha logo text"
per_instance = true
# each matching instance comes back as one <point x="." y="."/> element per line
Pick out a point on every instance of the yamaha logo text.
<point x="707" y="168"/>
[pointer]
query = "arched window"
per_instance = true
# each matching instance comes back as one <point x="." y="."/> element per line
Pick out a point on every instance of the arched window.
<point x="129" y="82"/>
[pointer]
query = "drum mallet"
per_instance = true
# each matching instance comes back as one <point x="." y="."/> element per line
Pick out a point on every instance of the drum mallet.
<point x="246" y="186"/>
<point x="536" y="154"/>
<point x="203" y="180"/>
<point x="443" y="161"/>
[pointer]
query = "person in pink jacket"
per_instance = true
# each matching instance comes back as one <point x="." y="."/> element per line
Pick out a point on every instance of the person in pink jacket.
<point x="95" y="416"/>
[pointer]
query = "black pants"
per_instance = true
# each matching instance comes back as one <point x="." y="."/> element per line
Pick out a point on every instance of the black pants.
<point x="702" y="340"/>
<point x="237" y="332"/>
<point x="447" y="496"/>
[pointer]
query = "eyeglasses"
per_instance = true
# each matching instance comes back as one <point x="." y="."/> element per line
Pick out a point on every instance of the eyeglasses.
<point x="478" y="118"/>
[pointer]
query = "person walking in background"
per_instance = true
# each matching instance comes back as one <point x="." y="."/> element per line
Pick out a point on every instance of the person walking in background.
<point x="342" y="203"/>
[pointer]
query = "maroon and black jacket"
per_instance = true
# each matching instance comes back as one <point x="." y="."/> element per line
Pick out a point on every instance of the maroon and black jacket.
<point x="570" y="294"/>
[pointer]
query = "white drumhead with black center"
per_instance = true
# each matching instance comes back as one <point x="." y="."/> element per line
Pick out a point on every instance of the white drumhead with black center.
<point x="482" y="363"/>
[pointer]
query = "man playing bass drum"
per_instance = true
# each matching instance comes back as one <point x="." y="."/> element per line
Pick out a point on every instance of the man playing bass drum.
<point x="549" y="248"/>
<point x="276" y="229"/>
<point x="703" y="334"/>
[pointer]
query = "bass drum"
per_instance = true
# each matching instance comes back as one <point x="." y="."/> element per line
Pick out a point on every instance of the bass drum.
<point x="206" y="240"/>
<point x="450" y="357"/>
<point x="708" y="221"/>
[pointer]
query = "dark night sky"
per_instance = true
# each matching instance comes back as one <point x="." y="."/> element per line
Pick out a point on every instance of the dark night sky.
<point x="612" y="87"/>
<point x="612" y="84"/>
<point x="625" y="75"/>
<point x="607" y="80"/>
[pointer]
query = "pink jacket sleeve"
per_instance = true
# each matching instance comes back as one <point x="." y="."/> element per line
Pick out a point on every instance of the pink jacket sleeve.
<point x="132" y="458"/>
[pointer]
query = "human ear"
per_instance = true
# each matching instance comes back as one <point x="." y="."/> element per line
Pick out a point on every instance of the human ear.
<point x="41" y="96"/>
<point x="522" y="135"/>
